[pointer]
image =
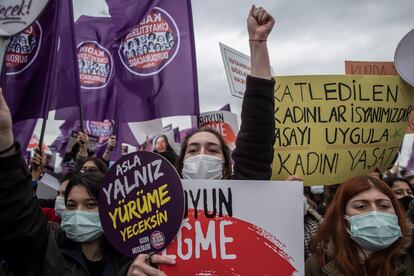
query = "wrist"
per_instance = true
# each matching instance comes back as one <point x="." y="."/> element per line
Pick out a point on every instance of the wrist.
<point x="7" y="151"/>
<point x="6" y="140"/>
<point x="257" y="40"/>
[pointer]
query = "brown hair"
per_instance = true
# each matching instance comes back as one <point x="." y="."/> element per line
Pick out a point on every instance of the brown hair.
<point x="227" y="169"/>
<point x="332" y="243"/>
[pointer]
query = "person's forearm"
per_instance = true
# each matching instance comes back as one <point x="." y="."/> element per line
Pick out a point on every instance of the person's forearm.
<point x="107" y="155"/>
<point x="260" y="64"/>
<point x="6" y="143"/>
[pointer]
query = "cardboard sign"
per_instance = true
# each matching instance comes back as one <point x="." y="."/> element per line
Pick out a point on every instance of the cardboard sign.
<point x="239" y="228"/>
<point x="237" y="67"/>
<point x="143" y="130"/>
<point x="385" y="68"/>
<point x="224" y="122"/>
<point x="103" y="130"/>
<point x="330" y="128"/>
<point x="141" y="203"/>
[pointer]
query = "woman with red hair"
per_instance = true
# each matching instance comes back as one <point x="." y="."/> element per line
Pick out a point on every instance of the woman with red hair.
<point x="364" y="232"/>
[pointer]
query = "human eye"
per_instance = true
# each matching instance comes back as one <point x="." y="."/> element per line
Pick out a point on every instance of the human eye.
<point x="360" y="206"/>
<point x="91" y="204"/>
<point x="398" y="192"/>
<point x="384" y="205"/>
<point x="70" y="206"/>
<point x="214" y="149"/>
<point x="191" y="150"/>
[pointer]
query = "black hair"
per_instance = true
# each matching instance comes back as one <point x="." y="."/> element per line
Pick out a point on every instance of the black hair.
<point x="390" y="180"/>
<point x="67" y="176"/>
<point x="91" y="181"/>
<point x="102" y="167"/>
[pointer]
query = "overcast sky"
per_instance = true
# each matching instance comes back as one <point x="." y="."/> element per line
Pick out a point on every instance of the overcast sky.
<point x="310" y="37"/>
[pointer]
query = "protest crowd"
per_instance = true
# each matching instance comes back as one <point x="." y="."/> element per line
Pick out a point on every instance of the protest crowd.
<point x="362" y="226"/>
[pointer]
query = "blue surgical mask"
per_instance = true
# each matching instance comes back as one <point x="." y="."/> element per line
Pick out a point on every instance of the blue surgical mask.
<point x="374" y="230"/>
<point x="81" y="226"/>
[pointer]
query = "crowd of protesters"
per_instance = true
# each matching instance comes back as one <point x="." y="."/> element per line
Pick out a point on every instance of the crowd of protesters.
<point x="359" y="227"/>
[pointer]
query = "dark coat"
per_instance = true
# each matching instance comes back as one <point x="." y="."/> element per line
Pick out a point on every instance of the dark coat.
<point x="254" y="151"/>
<point x="404" y="267"/>
<point x="28" y="243"/>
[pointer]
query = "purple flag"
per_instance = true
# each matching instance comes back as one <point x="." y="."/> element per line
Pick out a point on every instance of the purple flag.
<point x="36" y="78"/>
<point x="23" y="131"/>
<point x="155" y="64"/>
<point x="94" y="40"/>
<point x="177" y="137"/>
<point x="185" y="132"/>
<point x="128" y="13"/>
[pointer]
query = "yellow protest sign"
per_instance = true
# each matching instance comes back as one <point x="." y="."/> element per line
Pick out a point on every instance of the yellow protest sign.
<point x="330" y="128"/>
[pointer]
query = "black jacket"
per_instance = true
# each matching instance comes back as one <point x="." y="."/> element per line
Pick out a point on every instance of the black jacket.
<point x="254" y="151"/>
<point x="28" y="243"/>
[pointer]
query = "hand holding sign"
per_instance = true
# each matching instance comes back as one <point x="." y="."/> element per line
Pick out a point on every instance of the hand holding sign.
<point x="37" y="164"/>
<point x="140" y="265"/>
<point x="83" y="141"/>
<point x="111" y="143"/>
<point x="142" y="204"/>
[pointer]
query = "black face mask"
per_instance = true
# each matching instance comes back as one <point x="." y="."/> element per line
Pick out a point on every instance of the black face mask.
<point x="405" y="201"/>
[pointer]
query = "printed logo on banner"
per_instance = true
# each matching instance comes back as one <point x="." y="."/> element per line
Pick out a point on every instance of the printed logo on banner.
<point x="101" y="129"/>
<point x="23" y="49"/>
<point x="152" y="45"/>
<point x="141" y="205"/>
<point x="157" y="239"/>
<point x="95" y="65"/>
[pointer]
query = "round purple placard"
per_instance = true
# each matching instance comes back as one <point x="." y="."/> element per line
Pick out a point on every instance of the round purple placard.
<point x="141" y="203"/>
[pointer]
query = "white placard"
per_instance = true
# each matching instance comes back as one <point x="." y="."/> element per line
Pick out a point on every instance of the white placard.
<point x="241" y="228"/>
<point x="237" y="67"/>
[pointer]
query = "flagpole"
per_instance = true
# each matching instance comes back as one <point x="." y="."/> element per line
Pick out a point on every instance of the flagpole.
<point x="49" y="79"/>
<point x="76" y="73"/>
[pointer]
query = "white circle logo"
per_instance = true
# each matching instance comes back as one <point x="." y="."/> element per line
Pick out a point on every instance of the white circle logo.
<point x="151" y="45"/>
<point x="95" y="65"/>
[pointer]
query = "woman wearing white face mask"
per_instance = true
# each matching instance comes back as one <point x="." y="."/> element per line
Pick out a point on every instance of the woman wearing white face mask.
<point x="204" y="154"/>
<point x="364" y="232"/>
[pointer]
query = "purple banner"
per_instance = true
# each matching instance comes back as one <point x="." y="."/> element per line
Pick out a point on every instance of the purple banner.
<point x="155" y="64"/>
<point x="23" y="131"/>
<point x="177" y="137"/>
<point x="94" y="42"/>
<point x="128" y="13"/>
<point x="148" y="188"/>
<point x="39" y="68"/>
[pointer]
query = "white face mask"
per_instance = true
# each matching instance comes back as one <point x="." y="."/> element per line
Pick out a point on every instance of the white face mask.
<point x="59" y="205"/>
<point x="203" y="166"/>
